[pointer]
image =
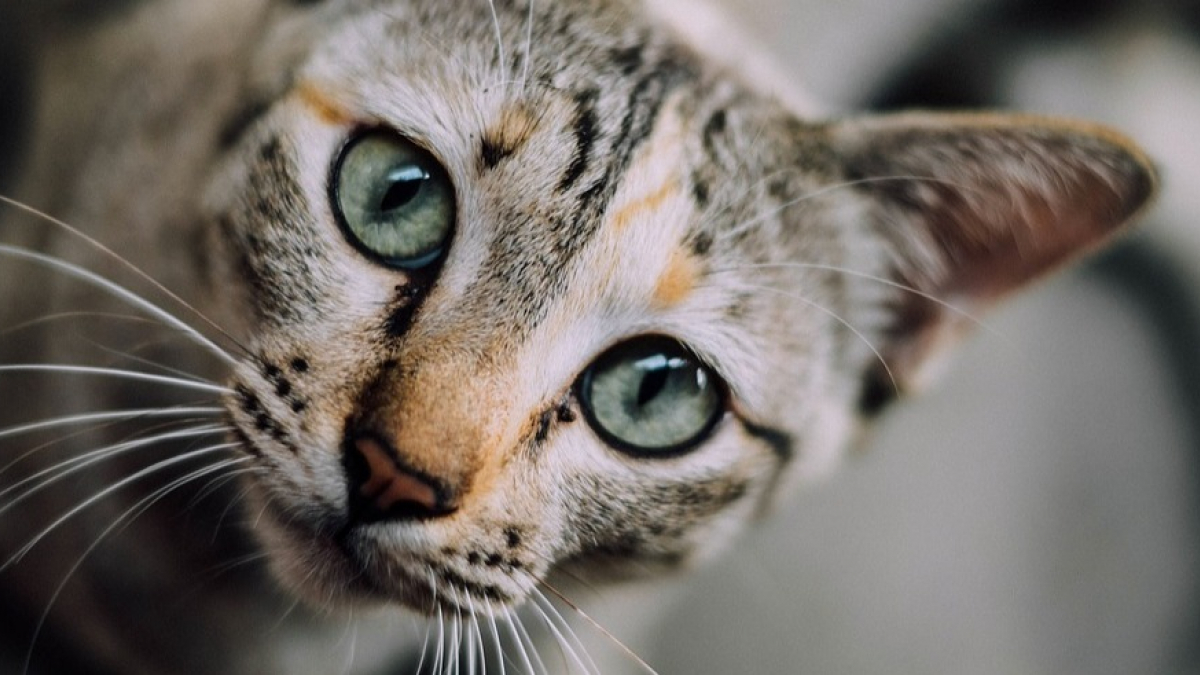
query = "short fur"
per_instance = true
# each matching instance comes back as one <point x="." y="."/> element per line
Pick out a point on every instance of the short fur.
<point x="611" y="182"/>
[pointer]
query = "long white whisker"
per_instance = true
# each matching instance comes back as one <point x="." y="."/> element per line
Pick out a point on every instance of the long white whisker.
<point x="153" y="468"/>
<point x="491" y="619"/>
<point x="61" y="316"/>
<point x="857" y="333"/>
<point x="214" y="485"/>
<point x="114" y="415"/>
<point x="564" y="650"/>
<point x="117" y="373"/>
<point x="128" y="515"/>
<point x="499" y="40"/>
<point x="742" y="227"/>
<point x="78" y="463"/>
<point x="154" y="365"/>
<point x="598" y="626"/>
<point x="477" y="631"/>
<point x="570" y="638"/>
<point x="456" y="632"/>
<point x="353" y="647"/>
<point x="121" y="292"/>
<point x="525" y="639"/>
<point x="424" y="649"/>
<point x="441" y="641"/>
<point x="509" y="619"/>
<point x="528" y="48"/>
<point x="870" y="277"/>
<point x="469" y="627"/>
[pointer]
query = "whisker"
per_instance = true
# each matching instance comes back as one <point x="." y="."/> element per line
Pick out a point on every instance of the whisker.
<point x="753" y="222"/>
<point x="499" y="40"/>
<point x="132" y="356"/>
<point x="441" y="641"/>
<point x="471" y="628"/>
<point x="62" y="316"/>
<point x="352" y="630"/>
<point x="508" y="620"/>
<point x="424" y="649"/>
<point x="153" y="468"/>
<point x="563" y="648"/>
<point x="572" y="638"/>
<point x="114" y="415"/>
<point x="525" y="639"/>
<point x="598" y="626"/>
<point x="528" y="48"/>
<point x="563" y="637"/>
<point x="124" y="518"/>
<point x="213" y="485"/>
<point x="119" y="292"/>
<point x="870" y="277"/>
<point x="456" y="633"/>
<point x="491" y="619"/>
<point x="76" y="232"/>
<point x="64" y="368"/>
<point x="78" y="463"/>
<point x="217" y="571"/>
<point x="95" y="427"/>
<point x="834" y="315"/>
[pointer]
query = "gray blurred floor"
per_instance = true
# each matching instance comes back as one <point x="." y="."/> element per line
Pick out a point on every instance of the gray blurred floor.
<point x="1034" y="512"/>
<point x="1029" y="516"/>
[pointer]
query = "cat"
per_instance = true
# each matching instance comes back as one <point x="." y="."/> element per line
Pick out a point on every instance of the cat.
<point x="468" y="302"/>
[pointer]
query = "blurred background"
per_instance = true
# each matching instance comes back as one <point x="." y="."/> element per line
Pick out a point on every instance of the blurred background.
<point x="1039" y="510"/>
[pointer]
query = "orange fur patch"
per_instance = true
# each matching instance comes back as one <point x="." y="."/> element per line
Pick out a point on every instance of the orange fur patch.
<point x="650" y="202"/>
<point x="515" y="127"/>
<point x="326" y="109"/>
<point x="677" y="280"/>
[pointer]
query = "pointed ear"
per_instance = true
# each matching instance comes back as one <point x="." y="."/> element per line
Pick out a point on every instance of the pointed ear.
<point x="975" y="206"/>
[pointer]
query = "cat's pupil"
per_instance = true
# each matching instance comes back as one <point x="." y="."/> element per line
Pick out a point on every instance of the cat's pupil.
<point x="406" y="182"/>
<point x="657" y="371"/>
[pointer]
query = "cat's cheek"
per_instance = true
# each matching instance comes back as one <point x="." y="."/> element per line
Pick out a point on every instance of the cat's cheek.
<point x="311" y="568"/>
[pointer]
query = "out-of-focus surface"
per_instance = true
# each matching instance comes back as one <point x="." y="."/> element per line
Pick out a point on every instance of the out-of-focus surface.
<point x="1036" y="511"/>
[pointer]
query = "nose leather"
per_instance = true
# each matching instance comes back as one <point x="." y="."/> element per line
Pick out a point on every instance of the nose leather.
<point x="380" y="487"/>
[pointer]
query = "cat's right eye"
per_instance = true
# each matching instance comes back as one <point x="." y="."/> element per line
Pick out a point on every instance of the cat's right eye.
<point x="393" y="200"/>
<point x="652" y="397"/>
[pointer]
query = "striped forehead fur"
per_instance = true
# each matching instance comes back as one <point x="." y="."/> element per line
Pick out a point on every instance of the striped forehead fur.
<point x="611" y="183"/>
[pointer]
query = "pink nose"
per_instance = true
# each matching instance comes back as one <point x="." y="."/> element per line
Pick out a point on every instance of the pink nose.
<point x="379" y="487"/>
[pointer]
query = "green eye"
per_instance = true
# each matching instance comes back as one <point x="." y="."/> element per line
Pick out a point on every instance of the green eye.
<point x="651" y="397"/>
<point x="393" y="200"/>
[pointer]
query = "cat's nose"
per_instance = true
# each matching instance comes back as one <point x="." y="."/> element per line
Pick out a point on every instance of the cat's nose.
<point x="380" y="487"/>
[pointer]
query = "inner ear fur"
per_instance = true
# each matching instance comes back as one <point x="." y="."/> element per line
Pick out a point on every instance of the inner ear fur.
<point x="976" y="206"/>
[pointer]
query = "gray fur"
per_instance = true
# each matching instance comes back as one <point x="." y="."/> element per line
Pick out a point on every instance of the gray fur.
<point x="611" y="181"/>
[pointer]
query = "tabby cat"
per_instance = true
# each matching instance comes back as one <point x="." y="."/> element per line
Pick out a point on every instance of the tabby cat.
<point x="468" y="302"/>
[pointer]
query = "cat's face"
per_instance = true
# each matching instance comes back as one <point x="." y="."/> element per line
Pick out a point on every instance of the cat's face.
<point x="583" y="301"/>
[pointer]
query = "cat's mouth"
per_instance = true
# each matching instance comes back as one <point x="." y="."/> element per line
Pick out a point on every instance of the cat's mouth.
<point x="414" y="565"/>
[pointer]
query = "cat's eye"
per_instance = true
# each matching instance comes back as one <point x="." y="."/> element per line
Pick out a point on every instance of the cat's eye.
<point x="393" y="199"/>
<point x="652" y="397"/>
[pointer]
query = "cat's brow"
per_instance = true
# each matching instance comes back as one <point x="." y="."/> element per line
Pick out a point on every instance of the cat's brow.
<point x="318" y="99"/>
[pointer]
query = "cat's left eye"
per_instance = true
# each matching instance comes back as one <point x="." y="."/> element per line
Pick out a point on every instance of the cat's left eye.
<point x="651" y="397"/>
<point x="393" y="199"/>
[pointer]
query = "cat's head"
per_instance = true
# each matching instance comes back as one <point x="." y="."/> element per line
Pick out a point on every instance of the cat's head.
<point x="583" y="300"/>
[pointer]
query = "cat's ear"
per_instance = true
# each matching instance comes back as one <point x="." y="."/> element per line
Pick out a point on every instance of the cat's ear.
<point x="976" y="206"/>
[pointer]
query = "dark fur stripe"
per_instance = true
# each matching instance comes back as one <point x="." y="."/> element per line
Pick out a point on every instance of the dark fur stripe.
<point x="586" y="128"/>
<point x="780" y="442"/>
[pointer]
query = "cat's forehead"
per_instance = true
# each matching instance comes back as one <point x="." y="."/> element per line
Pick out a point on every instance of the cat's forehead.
<point x="581" y="221"/>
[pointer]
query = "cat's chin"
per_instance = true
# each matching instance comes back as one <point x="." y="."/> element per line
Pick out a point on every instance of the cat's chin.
<point x="360" y="567"/>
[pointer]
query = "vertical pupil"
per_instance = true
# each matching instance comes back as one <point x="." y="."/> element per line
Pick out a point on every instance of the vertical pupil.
<point x="405" y="183"/>
<point x="653" y="382"/>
